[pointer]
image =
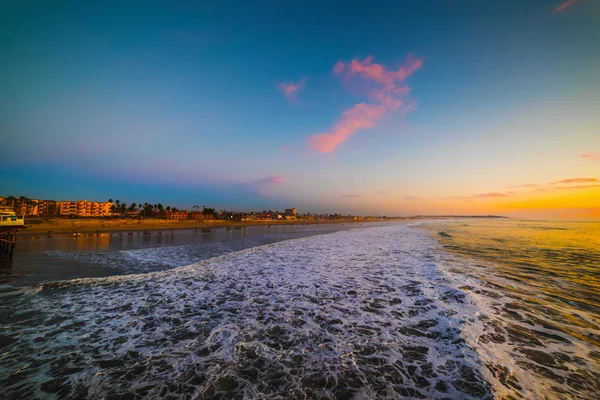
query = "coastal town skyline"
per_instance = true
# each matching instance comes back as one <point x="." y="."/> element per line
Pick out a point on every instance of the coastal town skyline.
<point x="24" y="206"/>
<point x="457" y="108"/>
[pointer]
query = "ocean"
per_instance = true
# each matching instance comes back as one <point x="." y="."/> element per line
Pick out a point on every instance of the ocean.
<point x="463" y="309"/>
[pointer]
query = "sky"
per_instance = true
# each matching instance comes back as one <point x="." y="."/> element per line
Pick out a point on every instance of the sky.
<point x="384" y="108"/>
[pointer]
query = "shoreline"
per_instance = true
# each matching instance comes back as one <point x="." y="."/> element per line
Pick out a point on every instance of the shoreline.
<point x="68" y="227"/>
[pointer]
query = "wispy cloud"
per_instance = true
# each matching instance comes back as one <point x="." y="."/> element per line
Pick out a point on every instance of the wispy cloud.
<point x="562" y="6"/>
<point x="350" y="196"/>
<point x="290" y="89"/>
<point x="591" y="156"/>
<point x="575" y="180"/>
<point x="580" y="187"/>
<point x="490" y="195"/>
<point x="361" y="116"/>
<point x="527" y="185"/>
<point x="377" y="72"/>
<point x="266" y="184"/>
<point x="413" y="198"/>
<point x="271" y="180"/>
<point x="389" y="95"/>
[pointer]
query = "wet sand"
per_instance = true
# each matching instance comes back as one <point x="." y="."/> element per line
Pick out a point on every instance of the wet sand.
<point x="69" y="226"/>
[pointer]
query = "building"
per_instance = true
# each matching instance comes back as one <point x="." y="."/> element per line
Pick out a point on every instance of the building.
<point x="8" y="218"/>
<point x="177" y="214"/>
<point x="199" y="216"/>
<point x="31" y="207"/>
<point x="48" y="208"/>
<point x="68" y="208"/>
<point x="290" y="212"/>
<point x="27" y="207"/>
<point x="84" y="208"/>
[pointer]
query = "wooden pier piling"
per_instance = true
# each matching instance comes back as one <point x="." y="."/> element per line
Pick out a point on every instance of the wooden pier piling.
<point x="8" y="239"/>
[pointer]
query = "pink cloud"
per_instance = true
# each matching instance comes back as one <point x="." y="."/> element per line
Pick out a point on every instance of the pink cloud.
<point x="289" y="90"/>
<point x="575" y="180"/>
<point x="564" y="5"/>
<point x="361" y="116"/>
<point x="591" y="156"/>
<point x="580" y="187"/>
<point x="389" y="96"/>
<point x="490" y="195"/>
<point x="377" y="72"/>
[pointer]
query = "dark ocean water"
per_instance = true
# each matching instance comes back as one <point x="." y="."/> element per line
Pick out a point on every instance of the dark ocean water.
<point x="495" y="309"/>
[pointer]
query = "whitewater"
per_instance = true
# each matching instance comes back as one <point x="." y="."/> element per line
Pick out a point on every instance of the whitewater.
<point x="377" y="312"/>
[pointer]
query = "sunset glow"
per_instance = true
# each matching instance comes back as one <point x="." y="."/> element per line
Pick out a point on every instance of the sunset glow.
<point x="467" y="108"/>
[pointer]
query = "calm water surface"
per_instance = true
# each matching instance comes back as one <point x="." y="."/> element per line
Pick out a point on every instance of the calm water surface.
<point x="486" y="309"/>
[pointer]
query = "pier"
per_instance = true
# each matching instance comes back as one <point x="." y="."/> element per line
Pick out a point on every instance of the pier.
<point x="10" y="224"/>
<point x="8" y="239"/>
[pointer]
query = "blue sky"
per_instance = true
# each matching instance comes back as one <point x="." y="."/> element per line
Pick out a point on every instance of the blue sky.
<point x="181" y="102"/>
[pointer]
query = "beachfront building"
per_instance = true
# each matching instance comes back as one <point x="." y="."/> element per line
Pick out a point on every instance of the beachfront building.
<point x="177" y="215"/>
<point x="8" y="218"/>
<point x="68" y="208"/>
<point x="290" y="213"/>
<point x="31" y="207"/>
<point x="199" y="215"/>
<point x="27" y="207"/>
<point x="84" y="208"/>
<point x="20" y="205"/>
<point x="48" y="208"/>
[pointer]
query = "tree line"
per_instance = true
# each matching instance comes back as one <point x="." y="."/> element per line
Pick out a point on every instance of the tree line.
<point x="151" y="210"/>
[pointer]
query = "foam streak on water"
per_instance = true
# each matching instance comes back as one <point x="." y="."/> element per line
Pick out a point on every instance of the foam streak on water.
<point x="360" y="313"/>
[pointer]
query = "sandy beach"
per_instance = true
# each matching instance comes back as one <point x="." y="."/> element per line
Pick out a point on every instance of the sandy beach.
<point x="69" y="226"/>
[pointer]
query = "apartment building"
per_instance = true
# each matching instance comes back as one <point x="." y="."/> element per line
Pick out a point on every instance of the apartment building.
<point x="84" y="208"/>
<point x="48" y="208"/>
